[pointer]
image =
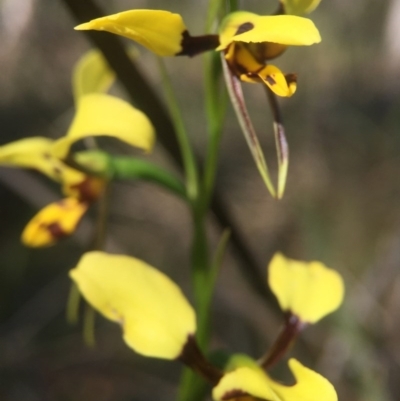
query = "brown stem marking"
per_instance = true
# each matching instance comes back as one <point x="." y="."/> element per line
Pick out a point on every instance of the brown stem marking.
<point x="192" y="357"/>
<point x="293" y="326"/>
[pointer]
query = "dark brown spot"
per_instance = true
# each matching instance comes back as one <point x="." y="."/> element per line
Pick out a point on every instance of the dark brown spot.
<point x="290" y="78"/>
<point x="193" y="45"/>
<point x="270" y="80"/>
<point x="89" y="189"/>
<point x="55" y="230"/>
<point x="57" y="170"/>
<point x="247" y="26"/>
<point x="233" y="394"/>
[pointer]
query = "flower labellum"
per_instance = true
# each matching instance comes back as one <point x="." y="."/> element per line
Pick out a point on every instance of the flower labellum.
<point x="254" y="383"/>
<point x="53" y="222"/>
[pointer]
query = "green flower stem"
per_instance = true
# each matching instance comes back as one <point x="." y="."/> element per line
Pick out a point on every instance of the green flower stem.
<point x="73" y="302"/>
<point x="89" y="319"/>
<point x="102" y="217"/>
<point x="129" y="168"/>
<point x="216" y="103"/>
<point x="189" y="162"/>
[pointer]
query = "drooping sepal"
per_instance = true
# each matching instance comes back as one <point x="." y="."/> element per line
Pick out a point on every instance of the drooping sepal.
<point x="239" y="105"/>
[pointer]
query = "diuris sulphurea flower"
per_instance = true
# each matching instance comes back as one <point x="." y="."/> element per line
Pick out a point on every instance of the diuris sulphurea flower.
<point x="158" y="321"/>
<point x="306" y="292"/>
<point x="247" y="43"/>
<point x="97" y="114"/>
<point x="247" y="40"/>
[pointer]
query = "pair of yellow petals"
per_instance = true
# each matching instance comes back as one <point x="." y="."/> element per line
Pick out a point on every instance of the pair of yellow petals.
<point x="247" y="40"/>
<point x="97" y="114"/>
<point x="157" y="320"/>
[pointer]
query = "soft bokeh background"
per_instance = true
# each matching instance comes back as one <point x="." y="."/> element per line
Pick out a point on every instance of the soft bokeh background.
<point x="341" y="206"/>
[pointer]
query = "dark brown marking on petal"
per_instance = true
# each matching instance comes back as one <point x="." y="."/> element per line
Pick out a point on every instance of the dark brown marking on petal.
<point x="247" y="26"/>
<point x="57" y="171"/>
<point x="88" y="190"/>
<point x="290" y="78"/>
<point x="193" y="45"/>
<point x="55" y="230"/>
<point x="192" y="357"/>
<point x="233" y="394"/>
<point x="270" y="80"/>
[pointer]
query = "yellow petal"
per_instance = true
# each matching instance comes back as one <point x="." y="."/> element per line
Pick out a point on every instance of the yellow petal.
<point x="252" y="381"/>
<point x="276" y="81"/>
<point x="308" y="290"/>
<point x="35" y="153"/>
<point x="157" y="30"/>
<point x="241" y="59"/>
<point x="91" y="74"/>
<point x="53" y="222"/>
<point x="299" y="7"/>
<point x="310" y="386"/>
<point x="155" y="316"/>
<point x="99" y="114"/>
<point x="242" y="381"/>
<point x="247" y="27"/>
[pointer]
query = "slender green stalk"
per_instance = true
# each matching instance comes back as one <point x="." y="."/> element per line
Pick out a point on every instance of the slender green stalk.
<point x="129" y="168"/>
<point x="102" y="217"/>
<point x="88" y="325"/>
<point x="189" y="162"/>
<point x="216" y="103"/>
<point x="73" y="302"/>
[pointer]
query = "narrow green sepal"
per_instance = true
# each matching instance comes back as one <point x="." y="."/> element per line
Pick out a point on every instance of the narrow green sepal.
<point x="131" y="168"/>
<point x="239" y="106"/>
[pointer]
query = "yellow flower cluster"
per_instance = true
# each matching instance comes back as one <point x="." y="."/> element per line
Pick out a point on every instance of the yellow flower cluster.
<point x="97" y="114"/>
<point x="158" y="321"/>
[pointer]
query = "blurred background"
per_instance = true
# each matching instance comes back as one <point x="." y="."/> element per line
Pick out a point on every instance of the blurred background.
<point x="341" y="206"/>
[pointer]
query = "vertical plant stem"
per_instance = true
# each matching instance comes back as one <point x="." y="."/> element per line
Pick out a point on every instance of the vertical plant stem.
<point x="189" y="162"/>
<point x="72" y="309"/>
<point x="88" y="325"/>
<point x="102" y="217"/>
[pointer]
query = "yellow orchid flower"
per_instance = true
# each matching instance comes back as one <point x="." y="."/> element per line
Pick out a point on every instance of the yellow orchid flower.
<point x="309" y="291"/>
<point x="55" y="221"/>
<point x="248" y="40"/>
<point x="98" y="114"/>
<point x="155" y="317"/>
<point x="251" y="383"/>
<point x="299" y="7"/>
